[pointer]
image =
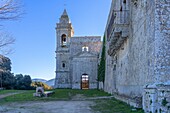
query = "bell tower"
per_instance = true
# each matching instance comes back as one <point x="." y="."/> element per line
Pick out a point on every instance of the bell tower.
<point x="64" y="31"/>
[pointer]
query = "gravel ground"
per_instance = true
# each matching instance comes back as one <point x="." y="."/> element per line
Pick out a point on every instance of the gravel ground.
<point x="48" y="107"/>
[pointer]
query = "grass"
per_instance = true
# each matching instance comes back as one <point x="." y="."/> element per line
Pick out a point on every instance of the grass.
<point x="113" y="106"/>
<point x="60" y="94"/>
<point x="8" y="91"/>
<point x="67" y="93"/>
<point x="102" y="105"/>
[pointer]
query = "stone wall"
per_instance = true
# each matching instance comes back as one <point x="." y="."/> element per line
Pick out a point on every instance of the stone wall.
<point x="129" y="66"/>
<point x="84" y="63"/>
<point x="92" y="42"/>
<point x="63" y="78"/>
<point x="162" y="40"/>
<point x="156" y="98"/>
<point x="143" y="55"/>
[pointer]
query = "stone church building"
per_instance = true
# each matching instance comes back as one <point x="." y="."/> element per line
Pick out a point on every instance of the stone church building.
<point x="76" y="57"/>
<point x="138" y="53"/>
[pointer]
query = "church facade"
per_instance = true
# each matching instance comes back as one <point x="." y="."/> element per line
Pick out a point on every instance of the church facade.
<point x="76" y="57"/>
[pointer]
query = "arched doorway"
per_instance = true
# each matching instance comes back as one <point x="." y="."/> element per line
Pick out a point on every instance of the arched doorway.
<point x="84" y="81"/>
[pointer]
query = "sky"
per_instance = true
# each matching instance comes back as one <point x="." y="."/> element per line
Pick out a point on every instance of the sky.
<point x="34" y="49"/>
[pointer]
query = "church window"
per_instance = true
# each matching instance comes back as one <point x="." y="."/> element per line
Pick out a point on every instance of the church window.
<point x="63" y="65"/>
<point x="63" y="40"/>
<point x="114" y="67"/>
<point x="85" y="48"/>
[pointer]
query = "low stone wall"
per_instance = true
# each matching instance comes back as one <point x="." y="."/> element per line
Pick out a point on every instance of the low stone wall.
<point x="156" y="98"/>
<point x="135" y="102"/>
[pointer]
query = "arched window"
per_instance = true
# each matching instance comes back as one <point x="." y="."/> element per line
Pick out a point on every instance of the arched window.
<point x="63" y="40"/>
<point x="85" y="48"/>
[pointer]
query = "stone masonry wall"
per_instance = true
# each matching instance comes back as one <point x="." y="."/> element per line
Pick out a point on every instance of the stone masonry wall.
<point x="162" y="40"/>
<point x="134" y="65"/>
<point x="144" y="57"/>
<point x="92" y="42"/>
<point x="156" y="98"/>
<point x="85" y="63"/>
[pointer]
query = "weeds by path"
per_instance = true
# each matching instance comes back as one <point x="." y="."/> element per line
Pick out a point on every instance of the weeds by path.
<point x="113" y="106"/>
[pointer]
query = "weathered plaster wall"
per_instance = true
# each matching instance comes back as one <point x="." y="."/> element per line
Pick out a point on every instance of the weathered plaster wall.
<point x="84" y="64"/>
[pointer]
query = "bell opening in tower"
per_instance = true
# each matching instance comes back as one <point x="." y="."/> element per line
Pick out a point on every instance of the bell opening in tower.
<point x="63" y="40"/>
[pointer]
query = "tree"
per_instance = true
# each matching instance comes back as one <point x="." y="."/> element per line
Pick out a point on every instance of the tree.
<point x="9" y="10"/>
<point x="23" y="82"/>
<point x="101" y="67"/>
<point x="7" y="78"/>
<point x="5" y="63"/>
<point x="27" y="81"/>
<point x="18" y="81"/>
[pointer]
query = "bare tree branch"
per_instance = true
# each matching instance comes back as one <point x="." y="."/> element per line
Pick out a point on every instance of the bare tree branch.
<point x="6" y="40"/>
<point x="10" y="9"/>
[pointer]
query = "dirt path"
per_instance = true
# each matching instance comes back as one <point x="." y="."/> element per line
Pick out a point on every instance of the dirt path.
<point x="9" y="94"/>
<point x="78" y="104"/>
<point x="48" y="107"/>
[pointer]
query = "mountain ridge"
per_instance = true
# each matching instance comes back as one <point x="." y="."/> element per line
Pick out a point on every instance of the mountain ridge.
<point x="48" y="82"/>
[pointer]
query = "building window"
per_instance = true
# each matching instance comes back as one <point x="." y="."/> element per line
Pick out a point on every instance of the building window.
<point x="63" y="40"/>
<point x="85" y="48"/>
<point x="114" y="67"/>
<point x="63" y="65"/>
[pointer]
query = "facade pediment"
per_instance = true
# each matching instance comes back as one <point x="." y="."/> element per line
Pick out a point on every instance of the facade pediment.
<point x="84" y="54"/>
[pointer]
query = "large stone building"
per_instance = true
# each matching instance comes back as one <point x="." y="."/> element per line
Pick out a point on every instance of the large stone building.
<point x="76" y="57"/>
<point x="138" y="53"/>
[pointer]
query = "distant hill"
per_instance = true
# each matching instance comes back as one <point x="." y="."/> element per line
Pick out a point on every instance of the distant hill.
<point x="39" y="80"/>
<point x="48" y="82"/>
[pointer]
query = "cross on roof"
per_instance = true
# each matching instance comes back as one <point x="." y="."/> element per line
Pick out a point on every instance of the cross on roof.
<point x="65" y="4"/>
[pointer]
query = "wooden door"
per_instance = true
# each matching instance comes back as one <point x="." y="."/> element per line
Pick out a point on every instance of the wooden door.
<point x="84" y="81"/>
